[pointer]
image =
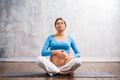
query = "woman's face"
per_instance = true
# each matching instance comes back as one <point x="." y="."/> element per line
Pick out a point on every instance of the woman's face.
<point x="60" y="25"/>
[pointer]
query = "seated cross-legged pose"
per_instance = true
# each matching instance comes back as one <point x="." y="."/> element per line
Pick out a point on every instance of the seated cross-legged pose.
<point x="57" y="46"/>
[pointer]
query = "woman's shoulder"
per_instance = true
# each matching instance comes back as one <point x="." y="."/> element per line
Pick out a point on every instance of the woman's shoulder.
<point x="50" y="36"/>
<point x="69" y="37"/>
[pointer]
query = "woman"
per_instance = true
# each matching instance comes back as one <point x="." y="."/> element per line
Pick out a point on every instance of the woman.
<point x="58" y="46"/>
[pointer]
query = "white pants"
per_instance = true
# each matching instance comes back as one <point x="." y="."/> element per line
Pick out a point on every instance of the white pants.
<point x="49" y="67"/>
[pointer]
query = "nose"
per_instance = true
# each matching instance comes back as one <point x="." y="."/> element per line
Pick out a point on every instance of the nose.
<point x="60" y="24"/>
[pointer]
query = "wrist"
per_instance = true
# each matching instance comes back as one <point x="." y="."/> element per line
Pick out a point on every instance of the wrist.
<point x="54" y="52"/>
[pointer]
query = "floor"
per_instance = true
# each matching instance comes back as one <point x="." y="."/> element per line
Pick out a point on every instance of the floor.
<point x="32" y="67"/>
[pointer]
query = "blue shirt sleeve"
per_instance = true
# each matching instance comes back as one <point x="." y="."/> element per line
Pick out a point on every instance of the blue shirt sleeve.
<point x="75" y="49"/>
<point x="45" y="50"/>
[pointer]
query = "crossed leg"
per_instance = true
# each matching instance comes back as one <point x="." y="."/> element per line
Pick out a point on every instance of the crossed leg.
<point x="51" y="69"/>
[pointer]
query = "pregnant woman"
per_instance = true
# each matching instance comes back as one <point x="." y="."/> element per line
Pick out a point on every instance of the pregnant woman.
<point x="57" y="46"/>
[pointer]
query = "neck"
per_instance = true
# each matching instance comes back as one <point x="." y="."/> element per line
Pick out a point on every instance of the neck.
<point x="61" y="33"/>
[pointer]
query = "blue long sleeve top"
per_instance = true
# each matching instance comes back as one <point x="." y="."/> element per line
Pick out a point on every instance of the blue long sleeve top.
<point x="53" y="44"/>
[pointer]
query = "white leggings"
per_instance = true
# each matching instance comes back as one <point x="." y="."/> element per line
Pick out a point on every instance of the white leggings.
<point x="49" y="67"/>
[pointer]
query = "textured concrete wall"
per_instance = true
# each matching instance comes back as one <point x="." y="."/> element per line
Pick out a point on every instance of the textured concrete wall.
<point x="20" y="27"/>
<point x="94" y="25"/>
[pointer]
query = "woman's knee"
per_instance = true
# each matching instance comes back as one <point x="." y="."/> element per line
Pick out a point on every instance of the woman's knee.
<point x="77" y="61"/>
<point x="40" y="59"/>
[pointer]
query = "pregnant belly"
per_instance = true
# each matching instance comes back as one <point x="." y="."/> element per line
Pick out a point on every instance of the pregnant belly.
<point x="60" y="61"/>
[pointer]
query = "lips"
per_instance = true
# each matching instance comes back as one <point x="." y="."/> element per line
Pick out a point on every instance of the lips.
<point x="60" y="27"/>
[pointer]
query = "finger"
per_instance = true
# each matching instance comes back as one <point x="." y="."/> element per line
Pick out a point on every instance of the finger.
<point x="62" y="50"/>
<point x="63" y="55"/>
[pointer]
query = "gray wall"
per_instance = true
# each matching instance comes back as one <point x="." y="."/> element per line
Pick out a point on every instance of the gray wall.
<point x="94" y="25"/>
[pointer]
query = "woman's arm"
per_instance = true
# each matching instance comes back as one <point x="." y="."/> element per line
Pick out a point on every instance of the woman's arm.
<point x="75" y="49"/>
<point x="45" y="51"/>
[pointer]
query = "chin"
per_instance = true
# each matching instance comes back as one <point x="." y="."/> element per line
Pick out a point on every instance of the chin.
<point x="60" y="30"/>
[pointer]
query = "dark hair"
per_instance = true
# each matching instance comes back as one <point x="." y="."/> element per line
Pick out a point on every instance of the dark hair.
<point x="60" y="19"/>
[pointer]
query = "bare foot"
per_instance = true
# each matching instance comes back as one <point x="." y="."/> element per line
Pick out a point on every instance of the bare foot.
<point x="64" y="73"/>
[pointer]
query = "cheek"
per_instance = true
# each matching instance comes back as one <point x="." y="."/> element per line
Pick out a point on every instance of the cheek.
<point x="56" y="27"/>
